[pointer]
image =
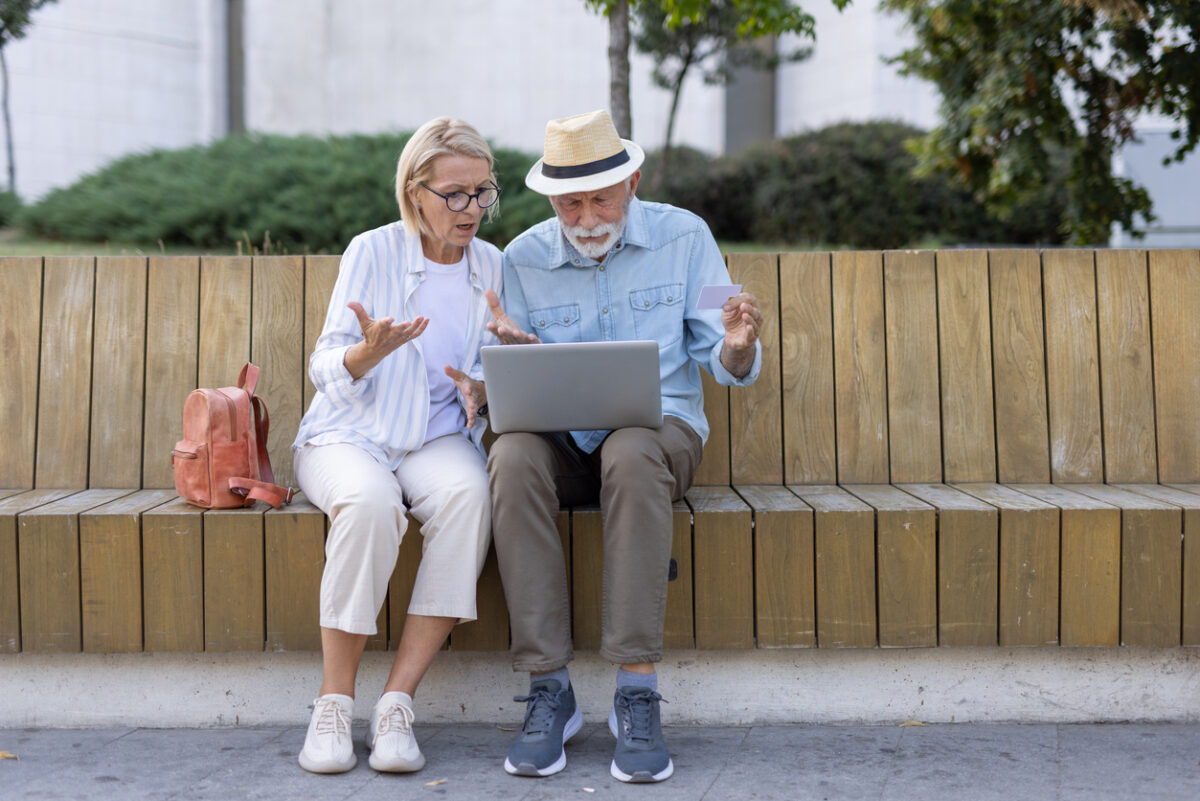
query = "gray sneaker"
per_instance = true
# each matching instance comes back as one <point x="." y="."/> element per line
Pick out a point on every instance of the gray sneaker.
<point x="641" y="752"/>
<point x="551" y="719"/>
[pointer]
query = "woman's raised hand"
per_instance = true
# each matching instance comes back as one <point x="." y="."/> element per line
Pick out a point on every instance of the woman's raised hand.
<point x="380" y="337"/>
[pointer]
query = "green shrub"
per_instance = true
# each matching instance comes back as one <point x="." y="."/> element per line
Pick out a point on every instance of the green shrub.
<point x="849" y="184"/>
<point x="311" y="195"/>
<point x="10" y="205"/>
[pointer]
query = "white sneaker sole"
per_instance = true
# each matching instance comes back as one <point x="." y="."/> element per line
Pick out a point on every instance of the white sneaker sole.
<point x="327" y="766"/>
<point x="397" y="764"/>
<point x="570" y="729"/>
<point x="642" y="776"/>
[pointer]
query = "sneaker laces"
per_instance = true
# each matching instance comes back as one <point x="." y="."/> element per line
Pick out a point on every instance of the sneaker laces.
<point x="397" y="718"/>
<point x="539" y="715"/>
<point x="331" y="718"/>
<point x="640" y="705"/>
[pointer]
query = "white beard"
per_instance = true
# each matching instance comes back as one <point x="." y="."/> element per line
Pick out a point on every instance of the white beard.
<point x="595" y="250"/>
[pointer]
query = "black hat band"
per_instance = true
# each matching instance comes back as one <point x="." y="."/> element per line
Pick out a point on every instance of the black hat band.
<point x="581" y="170"/>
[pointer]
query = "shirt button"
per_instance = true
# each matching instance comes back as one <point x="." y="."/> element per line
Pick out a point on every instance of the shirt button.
<point x="669" y="298"/>
<point x="541" y="322"/>
<point x="605" y="310"/>
<point x="566" y="320"/>
<point x="601" y="268"/>
<point x="647" y="303"/>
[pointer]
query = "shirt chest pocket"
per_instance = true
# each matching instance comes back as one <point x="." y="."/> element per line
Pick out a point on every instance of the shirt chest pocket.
<point x="658" y="313"/>
<point x="557" y="323"/>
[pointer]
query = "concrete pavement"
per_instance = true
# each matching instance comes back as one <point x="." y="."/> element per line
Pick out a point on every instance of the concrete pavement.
<point x="974" y="762"/>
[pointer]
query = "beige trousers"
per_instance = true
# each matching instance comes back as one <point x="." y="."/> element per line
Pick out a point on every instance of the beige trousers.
<point x="443" y="485"/>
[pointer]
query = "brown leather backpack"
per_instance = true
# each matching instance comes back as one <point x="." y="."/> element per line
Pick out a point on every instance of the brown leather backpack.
<point x="222" y="461"/>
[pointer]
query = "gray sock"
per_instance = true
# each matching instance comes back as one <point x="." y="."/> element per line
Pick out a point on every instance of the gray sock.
<point x="626" y="678"/>
<point x="561" y="676"/>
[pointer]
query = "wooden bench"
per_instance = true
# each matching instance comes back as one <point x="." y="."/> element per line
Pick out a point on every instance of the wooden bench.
<point x="950" y="448"/>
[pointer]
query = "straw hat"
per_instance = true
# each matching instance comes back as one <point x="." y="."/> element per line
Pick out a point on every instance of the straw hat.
<point x="583" y="153"/>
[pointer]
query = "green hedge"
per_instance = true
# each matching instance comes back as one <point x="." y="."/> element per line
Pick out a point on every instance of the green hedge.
<point x="312" y="195"/>
<point x="848" y="185"/>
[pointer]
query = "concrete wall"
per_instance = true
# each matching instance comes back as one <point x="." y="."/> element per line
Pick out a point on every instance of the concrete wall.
<point x="96" y="79"/>
<point x="846" y="78"/>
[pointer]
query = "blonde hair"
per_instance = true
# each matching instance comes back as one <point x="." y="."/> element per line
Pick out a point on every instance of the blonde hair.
<point x="441" y="136"/>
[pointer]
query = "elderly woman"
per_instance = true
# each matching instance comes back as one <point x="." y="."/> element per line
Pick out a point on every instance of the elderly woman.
<point x="393" y="431"/>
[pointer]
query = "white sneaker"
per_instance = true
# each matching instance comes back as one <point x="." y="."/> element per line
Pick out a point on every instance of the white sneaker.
<point x="394" y="749"/>
<point x="327" y="746"/>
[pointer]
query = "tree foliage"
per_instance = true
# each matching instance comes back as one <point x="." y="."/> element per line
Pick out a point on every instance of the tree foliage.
<point x="689" y="28"/>
<point x="1020" y="81"/>
<point x="715" y="38"/>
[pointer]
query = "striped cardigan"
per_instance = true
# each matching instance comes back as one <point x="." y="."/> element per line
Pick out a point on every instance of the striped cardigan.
<point x="386" y="411"/>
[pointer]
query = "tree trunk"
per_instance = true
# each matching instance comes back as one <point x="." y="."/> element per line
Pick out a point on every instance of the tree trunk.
<point x="667" y="154"/>
<point x="618" y="67"/>
<point x="12" y="169"/>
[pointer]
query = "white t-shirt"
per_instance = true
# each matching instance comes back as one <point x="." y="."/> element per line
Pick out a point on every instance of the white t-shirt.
<point x="443" y="297"/>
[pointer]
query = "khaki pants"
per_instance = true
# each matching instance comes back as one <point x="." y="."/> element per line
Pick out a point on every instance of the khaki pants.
<point x="635" y="475"/>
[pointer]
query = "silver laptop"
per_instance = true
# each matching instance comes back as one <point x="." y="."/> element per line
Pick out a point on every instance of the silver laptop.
<point x="572" y="386"/>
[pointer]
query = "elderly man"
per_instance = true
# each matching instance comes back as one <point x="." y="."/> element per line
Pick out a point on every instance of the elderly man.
<point x="606" y="267"/>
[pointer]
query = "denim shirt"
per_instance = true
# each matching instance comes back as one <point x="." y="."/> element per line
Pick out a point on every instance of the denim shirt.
<point x="646" y="288"/>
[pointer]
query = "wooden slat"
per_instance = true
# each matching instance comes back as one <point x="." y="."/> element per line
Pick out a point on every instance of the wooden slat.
<point x="489" y="631"/>
<point x="1126" y="366"/>
<point x="1072" y="366"/>
<point x="20" y="317"/>
<point x="679" y="624"/>
<point x="906" y="566"/>
<point x="844" y="543"/>
<point x="755" y="415"/>
<point x="1187" y="498"/>
<point x="277" y="347"/>
<point x="914" y="421"/>
<point x="860" y="368"/>
<point x="724" y="568"/>
<point x="320" y="274"/>
<point x="1174" y="299"/>
<point x="965" y="346"/>
<point x="784" y="564"/>
<point x="10" y="577"/>
<point x="65" y="381"/>
<point x="587" y="570"/>
<point x="48" y="544"/>
<point x="1090" y="576"/>
<point x="172" y="343"/>
<point x="1029" y="563"/>
<point x="1018" y="347"/>
<point x="234" y="596"/>
<point x="118" y="372"/>
<point x="404" y="578"/>
<point x="1151" y="565"/>
<point x="294" y="555"/>
<point x="173" y="577"/>
<point x="110" y="561"/>
<point x="713" y="469"/>
<point x="806" y="346"/>
<point x="968" y="565"/>
<point x="225" y="287"/>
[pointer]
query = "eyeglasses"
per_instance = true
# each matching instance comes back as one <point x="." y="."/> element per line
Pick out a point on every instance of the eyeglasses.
<point x="458" y="201"/>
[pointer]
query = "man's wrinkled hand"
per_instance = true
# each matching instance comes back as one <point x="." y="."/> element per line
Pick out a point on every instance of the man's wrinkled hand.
<point x="742" y="319"/>
<point x="508" y="332"/>
<point x="473" y="392"/>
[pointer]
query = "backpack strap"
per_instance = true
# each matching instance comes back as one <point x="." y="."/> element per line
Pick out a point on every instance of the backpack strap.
<point x="261" y="491"/>
<point x="248" y="378"/>
<point x="262" y="427"/>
